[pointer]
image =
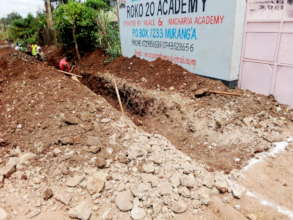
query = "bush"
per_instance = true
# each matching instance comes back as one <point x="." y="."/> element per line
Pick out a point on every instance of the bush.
<point x="108" y="33"/>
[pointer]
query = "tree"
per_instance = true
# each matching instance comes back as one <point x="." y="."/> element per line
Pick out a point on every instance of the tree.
<point x="75" y="23"/>
<point x="6" y="21"/>
<point x="51" y="32"/>
<point x="97" y="4"/>
<point x="27" y="30"/>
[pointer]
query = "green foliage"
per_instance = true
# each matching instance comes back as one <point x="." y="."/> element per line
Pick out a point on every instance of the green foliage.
<point x="78" y="16"/>
<point x="6" y="21"/>
<point x="27" y="30"/>
<point x="108" y="33"/>
<point x="97" y="4"/>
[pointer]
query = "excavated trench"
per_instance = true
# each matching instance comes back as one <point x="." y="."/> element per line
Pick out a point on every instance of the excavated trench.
<point x="187" y="127"/>
<point x="213" y="130"/>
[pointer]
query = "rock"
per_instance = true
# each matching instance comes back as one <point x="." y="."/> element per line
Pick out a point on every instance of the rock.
<point x="156" y="158"/>
<point x="123" y="159"/>
<point x="68" y="119"/>
<point x="149" y="178"/>
<point x="165" y="188"/>
<point x="187" y="168"/>
<point x="75" y="180"/>
<point x="135" y="152"/>
<point x="251" y="217"/>
<point x="93" y="141"/>
<point x="56" y="151"/>
<point x="96" y="183"/>
<point x="106" y="120"/>
<point x="204" y="196"/>
<point x="148" y="167"/>
<point x="237" y="190"/>
<point x="137" y="213"/>
<point x="124" y="201"/>
<point x="175" y="180"/>
<point x="85" y="116"/>
<point x="100" y="163"/>
<point x="63" y="197"/>
<point x="141" y="190"/>
<point x="183" y="191"/>
<point x="35" y="212"/>
<point x="178" y="206"/>
<point x="201" y="92"/>
<point x="221" y="183"/>
<point x="188" y="181"/>
<point x="9" y="168"/>
<point x="3" y="214"/>
<point x="82" y="211"/>
<point x="193" y="87"/>
<point x="48" y="194"/>
<point x="207" y="180"/>
<point x="109" y="150"/>
<point x="24" y="158"/>
<point x="66" y="141"/>
<point x="93" y="149"/>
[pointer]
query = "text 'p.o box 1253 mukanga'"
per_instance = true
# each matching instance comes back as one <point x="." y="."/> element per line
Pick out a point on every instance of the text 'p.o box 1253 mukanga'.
<point x="203" y="36"/>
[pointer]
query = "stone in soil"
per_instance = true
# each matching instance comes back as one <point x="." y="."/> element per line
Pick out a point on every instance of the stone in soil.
<point x="63" y="197"/>
<point x="148" y="167"/>
<point x="93" y="141"/>
<point x="137" y="213"/>
<point x="75" y="180"/>
<point x="9" y="168"/>
<point x="82" y="211"/>
<point x="188" y="181"/>
<point x="237" y="190"/>
<point x="23" y="159"/>
<point x="3" y="214"/>
<point x="178" y="206"/>
<point x="221" y="183"/>
<point x="48" y="194"/>
<point x="96" y="183"/>
<point x="165" y="188"/>
<point x="175" y="180"/>
<point x="124" y="201"/>
<point x="101" y="163"/>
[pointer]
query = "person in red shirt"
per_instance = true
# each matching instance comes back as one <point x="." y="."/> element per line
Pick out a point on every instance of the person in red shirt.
<point x="64" y="65"/>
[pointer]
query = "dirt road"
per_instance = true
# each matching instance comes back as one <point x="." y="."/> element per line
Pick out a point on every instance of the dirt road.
<point x="67" y="152"/>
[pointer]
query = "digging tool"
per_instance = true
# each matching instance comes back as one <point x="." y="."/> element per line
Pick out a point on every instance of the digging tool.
<point x="71" y="74"/>
<point x="118" y="97"/>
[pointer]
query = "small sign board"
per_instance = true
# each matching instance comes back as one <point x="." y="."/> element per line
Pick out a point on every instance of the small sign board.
<point x="203" y="36"/>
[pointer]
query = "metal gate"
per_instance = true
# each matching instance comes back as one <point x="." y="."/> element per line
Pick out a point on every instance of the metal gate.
<point x="267" y="55"/>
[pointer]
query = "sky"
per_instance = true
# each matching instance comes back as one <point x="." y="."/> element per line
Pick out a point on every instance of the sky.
<point x="23" y="7"/>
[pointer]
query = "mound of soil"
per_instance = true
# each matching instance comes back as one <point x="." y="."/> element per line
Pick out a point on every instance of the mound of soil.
<point x="159" y="74"/>
<point x="53" y="55"/>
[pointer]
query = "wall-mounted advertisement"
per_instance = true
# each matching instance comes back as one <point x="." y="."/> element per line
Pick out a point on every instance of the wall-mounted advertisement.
<point x="203" y="36"/>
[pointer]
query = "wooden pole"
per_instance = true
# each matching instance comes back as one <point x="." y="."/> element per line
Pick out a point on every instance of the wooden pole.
<point x="118" y="96"/>
<point x="71" y="74"/>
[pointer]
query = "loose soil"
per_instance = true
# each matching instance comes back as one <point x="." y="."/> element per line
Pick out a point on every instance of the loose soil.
<point x="44" y="112"/>
<point x="221" y="131"/>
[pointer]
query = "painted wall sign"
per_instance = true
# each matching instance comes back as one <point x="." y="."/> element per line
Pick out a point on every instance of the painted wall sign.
<point x="266" y="9"/>
<point x="203" y="36"/>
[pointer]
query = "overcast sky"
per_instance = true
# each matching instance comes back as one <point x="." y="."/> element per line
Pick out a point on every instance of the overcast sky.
<point x="23" y="7"/>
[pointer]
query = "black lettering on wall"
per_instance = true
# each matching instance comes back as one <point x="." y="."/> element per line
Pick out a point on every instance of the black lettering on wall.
<point x="204" y="5"/>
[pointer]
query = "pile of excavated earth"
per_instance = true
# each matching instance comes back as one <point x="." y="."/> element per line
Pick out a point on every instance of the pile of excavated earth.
<point x="179" y="150"/>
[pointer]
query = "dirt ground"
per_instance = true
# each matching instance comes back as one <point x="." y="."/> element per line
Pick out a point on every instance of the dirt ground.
<point x="68" y="152"/>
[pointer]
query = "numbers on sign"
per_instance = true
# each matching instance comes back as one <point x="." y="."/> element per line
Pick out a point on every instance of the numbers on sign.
<point x="150" y="9"/>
